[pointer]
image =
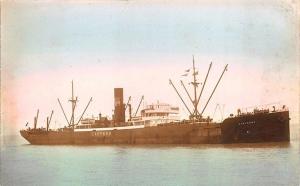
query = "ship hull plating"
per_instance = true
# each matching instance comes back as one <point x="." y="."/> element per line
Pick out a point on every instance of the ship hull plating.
<point x="164" y="134"/>
<point x="48" y="137"/>
<point x="265" y="127"/>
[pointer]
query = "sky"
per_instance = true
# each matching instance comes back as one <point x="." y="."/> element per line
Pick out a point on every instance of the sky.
<point x="140" y="45"/>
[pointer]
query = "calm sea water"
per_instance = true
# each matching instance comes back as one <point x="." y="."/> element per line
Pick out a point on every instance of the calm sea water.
<point x="250" y="164"/>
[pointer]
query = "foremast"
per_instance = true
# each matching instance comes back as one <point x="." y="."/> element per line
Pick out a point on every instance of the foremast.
<point x="71" y="123"/>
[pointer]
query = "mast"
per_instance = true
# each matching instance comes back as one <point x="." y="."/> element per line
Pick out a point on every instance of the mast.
<point x="73" y="104"/>
<point x="195" y="88"/>
<point x="73" y="101"/>
<point x="196" y="114"/>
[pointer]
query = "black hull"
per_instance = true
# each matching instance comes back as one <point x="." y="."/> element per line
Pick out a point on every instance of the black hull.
<point x="263" y="127"/>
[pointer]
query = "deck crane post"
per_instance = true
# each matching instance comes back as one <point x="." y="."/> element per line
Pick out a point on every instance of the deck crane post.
<point x="36" y="119"/>
<point x="49" y="120"/>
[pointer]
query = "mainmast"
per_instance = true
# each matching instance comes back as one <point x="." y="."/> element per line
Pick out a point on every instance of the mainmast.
<point x="195" y="84"/>
<point x="73" y="101"/>
<point x="195" y="102"/>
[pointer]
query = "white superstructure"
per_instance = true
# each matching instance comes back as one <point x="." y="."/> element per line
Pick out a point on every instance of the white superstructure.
<point x="155" y="114"/>
<point x="151" y="115"/>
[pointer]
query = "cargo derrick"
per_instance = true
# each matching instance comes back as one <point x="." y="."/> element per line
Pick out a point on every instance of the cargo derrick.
<point x="128" y="105"/>
<point x="71" y="123"/>
<point x="49" y="120"/>
<point x="36" y="119"/>
<point x="142" y="98"/>
<point x="196" y="115"/>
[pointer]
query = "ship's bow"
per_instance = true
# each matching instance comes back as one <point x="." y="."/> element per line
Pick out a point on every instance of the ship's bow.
<point x="265" y="127"/>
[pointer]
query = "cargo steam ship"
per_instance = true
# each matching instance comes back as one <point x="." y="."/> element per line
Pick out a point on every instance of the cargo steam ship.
<point x="160" y="123"/>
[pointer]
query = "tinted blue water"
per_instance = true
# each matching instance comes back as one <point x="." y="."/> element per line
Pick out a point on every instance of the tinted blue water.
<point x="250" y="164"/>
